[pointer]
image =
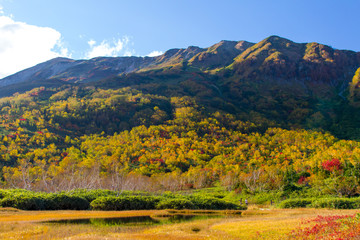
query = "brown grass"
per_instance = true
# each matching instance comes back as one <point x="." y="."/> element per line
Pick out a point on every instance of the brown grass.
<point x="33" y="216"/>
<point x="272" y="223"/>
<point x="256" y="223"/>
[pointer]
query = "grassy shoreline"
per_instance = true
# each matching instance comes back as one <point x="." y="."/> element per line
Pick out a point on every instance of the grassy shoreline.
<point x="255" y="223"/>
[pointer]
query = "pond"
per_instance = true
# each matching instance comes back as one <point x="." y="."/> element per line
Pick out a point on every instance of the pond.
<point x="138" y="220"/>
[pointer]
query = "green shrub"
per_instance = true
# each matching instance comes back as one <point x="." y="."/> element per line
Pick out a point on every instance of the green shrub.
<point x="212" y="203"/>
<point x="3" y="193"/>
<point x="106" y="200"/>
<point x="290" y="187"/>
<point x="168" y="194"/>
<point x="26" y="202"/>
<point x="295" y="203"/>
<point x="44" y="202"/>
<point x="218" y="195"/>
<point x="266" y="197"/>
<point x="19" y="191"/>
<point x="62" y="201"/>
<point x="175" y="203"/>
<point x="91" y="195"/>
<point x="337" y="203"/>
<point x="125" y="203"/>
<point x="135" y="193"/>
<point x="334" y="203"/>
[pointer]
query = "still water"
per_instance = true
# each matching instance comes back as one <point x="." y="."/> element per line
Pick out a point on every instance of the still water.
<point x="138" y="220"/>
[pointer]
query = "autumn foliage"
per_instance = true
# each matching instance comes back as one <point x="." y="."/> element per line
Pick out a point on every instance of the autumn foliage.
<point x="332" y="165"/>
<point x="126" y="140"/>
<point x="339" y="227"/>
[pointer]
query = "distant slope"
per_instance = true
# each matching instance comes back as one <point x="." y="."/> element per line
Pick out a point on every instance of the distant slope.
<point x="277" y="57"/>
<point x="83" y="71"/>
<point x="274" y="57"/>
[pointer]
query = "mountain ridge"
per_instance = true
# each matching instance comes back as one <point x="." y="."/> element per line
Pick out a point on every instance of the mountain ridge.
<point x="273" y="55"/>
<point x="276" y="81"/>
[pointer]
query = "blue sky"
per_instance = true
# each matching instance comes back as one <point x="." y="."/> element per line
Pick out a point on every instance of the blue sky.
<point x="37" y="30"/>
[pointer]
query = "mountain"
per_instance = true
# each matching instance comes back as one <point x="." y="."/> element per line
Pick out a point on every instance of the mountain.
<point x="83" y="71"/>
<point x="275" y="82"/>
<point x="274" y="57"/>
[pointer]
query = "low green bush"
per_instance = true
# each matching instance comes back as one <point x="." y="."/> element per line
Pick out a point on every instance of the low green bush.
<point x="26" y="202"/>
<point x="295" y="203"/>
<point x="125" y="203"/>
<point x="43" y="201"/>
<point x="3" y="193"/>
<point x="17" y="191"/>
<point x="334" y="203"/>
<point x="63" y="201"/>
<point x="92" y="194"/>
<point x="152" y="202"/>
<point x="266" y="197"/>
<point x="82" y="199"/>
<point x="175" y="203"/>
<point x="212" y="203"/>
<point x="337" y="203"/>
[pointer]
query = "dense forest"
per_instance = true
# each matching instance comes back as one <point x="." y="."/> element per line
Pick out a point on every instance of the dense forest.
<point x="71" y="137"/>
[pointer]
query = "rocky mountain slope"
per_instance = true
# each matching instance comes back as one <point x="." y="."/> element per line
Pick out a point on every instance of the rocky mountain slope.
<point x="274" y="57"/>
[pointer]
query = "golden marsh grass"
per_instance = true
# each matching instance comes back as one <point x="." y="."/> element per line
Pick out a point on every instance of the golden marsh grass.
<point x="255" y="223"/>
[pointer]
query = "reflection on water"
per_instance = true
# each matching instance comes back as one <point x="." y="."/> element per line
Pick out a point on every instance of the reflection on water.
<point x="136" y="221"/>
<point x="143" y="220"/>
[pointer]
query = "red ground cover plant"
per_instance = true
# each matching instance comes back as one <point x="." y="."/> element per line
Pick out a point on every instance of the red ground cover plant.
<point x="329" y="227"/>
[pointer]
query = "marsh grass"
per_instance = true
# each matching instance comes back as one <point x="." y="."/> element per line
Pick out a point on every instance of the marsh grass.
<point x="257" y="223"/>
<point x="272" y="223"/>
<point x="222" y="212"/>
<point x="27" y="224"/>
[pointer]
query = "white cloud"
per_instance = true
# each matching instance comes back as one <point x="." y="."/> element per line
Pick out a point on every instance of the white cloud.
<point x="1" y="10"/>
<point x="23" y="45"/>
<point x="154" y="53"/>
<point x="91" y="43"/>
<point x="116" y="47"/>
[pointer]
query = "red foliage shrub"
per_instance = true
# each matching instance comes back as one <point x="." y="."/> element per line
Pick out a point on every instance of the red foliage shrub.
<point x="332" y="165"/>
<point x="302" y="180"/>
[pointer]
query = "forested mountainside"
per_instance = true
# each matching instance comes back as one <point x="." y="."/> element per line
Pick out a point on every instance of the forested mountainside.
<point x="254" y="117"/>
